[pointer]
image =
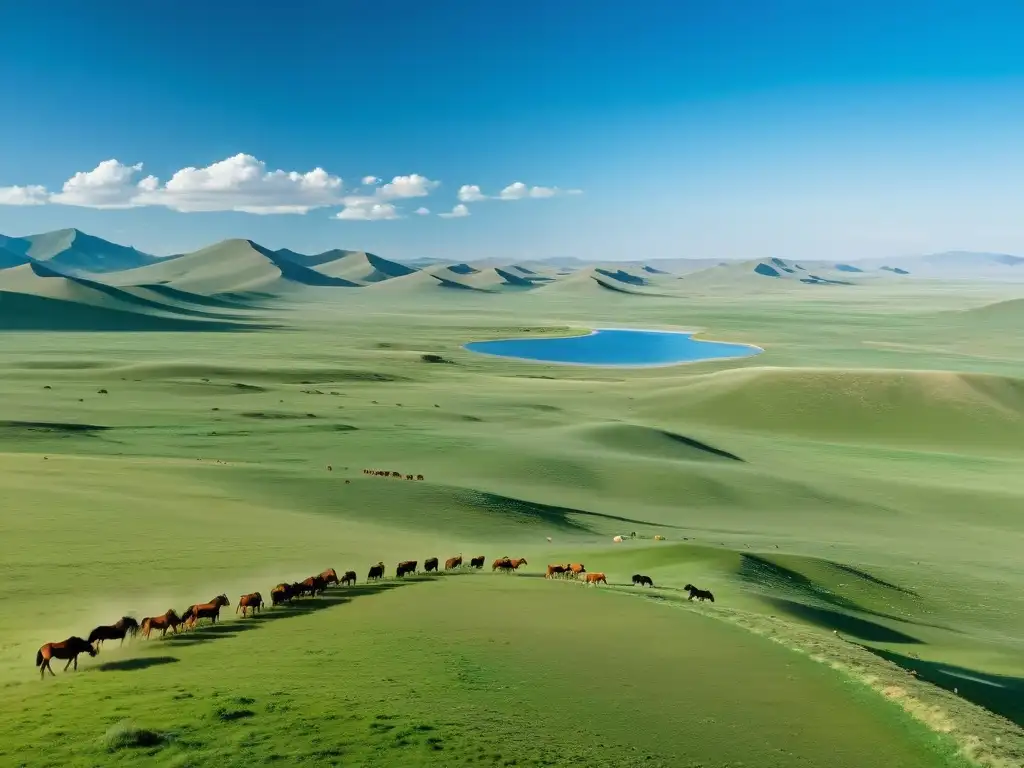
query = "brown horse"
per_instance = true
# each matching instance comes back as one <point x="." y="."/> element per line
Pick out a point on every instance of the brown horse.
<point x="169" y="620"/>
<point x="282" y="593"/>
<point x="330" y="576"/>
<point x="452" y="563"/>
<point x="348" y="578"/>
<point x="596" y="578"/>
<point x="575" y="569"/>
<point x="312" y="586"/>
<point x="518" y="562"/>
<point x="126" y="625"/>
<point x="252" y="602"/>
<point x="502" y="563"/>
<point x="554" y="570"/>
<point x="210" y="610"/>
<point x="69" y="649"/>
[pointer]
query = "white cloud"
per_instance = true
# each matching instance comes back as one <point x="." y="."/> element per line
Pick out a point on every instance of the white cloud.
<point x="407" y="186"/>
<point x="108" y="185"/>
<point x="458" y="212"/>
<point x="470" y="193"/>
<point x="30" y="195"/>
<point x="374" y="212"/>
<point x="519" y="191"/>
<point x="242" y="183"/>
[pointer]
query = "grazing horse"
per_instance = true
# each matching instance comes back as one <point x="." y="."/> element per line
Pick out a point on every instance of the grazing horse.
<point x="330" y="576"/>
<point x="575" y="569"/>
<point x="554" y="570"/>
<point x="348" y="578"/>
<point x="643" y="581"/>
<point x="406" y="566"/>
<point x="455" y="562"/>
<point x="477" y="562"/>
<point x="210" y="610"/>
<point x="700" y="594"/>
<point x="596" y="578"/>
<point x="252" y="602"/>
<point x="430" y="564"/>
<point x="126" y="625"/>
<point x="169" y="620"/>
<point x="282" y="593"/>
<point x="376" y="572"/>
<point x="69" y="649"/>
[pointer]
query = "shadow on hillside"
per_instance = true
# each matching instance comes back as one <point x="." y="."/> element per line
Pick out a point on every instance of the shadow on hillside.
<point x="1001" y="694"/>
<point x="521" y="510"/>
<point x="226" y="627"/>
<point x="779" y="579"/>
<point x="843" y="623"/>
<point x="130" y="665"/>
<point x="849" y="569"/>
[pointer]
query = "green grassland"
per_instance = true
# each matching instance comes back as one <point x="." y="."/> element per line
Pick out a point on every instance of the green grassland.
<point x="861" y="506"/>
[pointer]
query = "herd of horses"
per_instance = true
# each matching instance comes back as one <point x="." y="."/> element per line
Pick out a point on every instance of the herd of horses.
<point x="389" y="473"/>
<point x="285" y="592"/>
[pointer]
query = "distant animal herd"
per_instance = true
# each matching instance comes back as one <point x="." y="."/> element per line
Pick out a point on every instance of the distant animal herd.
<point x="390" y="473"/>
<point x="285" y="592"/>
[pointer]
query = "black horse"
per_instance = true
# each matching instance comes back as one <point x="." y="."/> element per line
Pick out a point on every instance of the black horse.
<point x="643" y="581"/>
<point x="125" y="626"/>
<point x="700" y="594"/>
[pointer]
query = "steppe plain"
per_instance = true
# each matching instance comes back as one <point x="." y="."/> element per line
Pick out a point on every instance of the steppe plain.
<point x="174" y="429"/>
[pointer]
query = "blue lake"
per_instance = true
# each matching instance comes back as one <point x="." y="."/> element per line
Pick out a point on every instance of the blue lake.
<point x="614" y="347"/>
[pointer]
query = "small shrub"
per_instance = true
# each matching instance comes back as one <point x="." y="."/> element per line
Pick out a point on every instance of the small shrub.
<point x="227" y="715"/>
<point x="126" y="735"/>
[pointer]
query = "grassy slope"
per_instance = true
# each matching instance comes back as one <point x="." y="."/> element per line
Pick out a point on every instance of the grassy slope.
<point x="213" y="478"/>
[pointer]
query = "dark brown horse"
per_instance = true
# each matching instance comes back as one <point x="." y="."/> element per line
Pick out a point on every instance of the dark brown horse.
<point x="430" y="564"/>
<point x="700" y="594"/>
<point x="406" y="566"/>
<point x="251" y="602"/>
<point x="210" y="610"/>
<point x="282" y="593"/>
<point x="313" y="586"/>
<point x="126" y="625"/>
<point x="69" y="649"/>
<point x="477" y="562"/>
<point x="349" y="578"/>
<point x="376" y="572"/>
<point x="169" y="620"/>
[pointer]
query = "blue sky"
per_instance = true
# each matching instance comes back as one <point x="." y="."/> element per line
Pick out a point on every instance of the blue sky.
<point x="657" y="129"/>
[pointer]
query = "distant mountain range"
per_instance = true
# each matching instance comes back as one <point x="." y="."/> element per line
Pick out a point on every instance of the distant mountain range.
<point x="72" y="281"/>
<point x="71" y="251"/>
<point x="75" y="252"/>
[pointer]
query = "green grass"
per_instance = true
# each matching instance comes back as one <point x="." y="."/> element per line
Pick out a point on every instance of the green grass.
<point x="863" y="475"/>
